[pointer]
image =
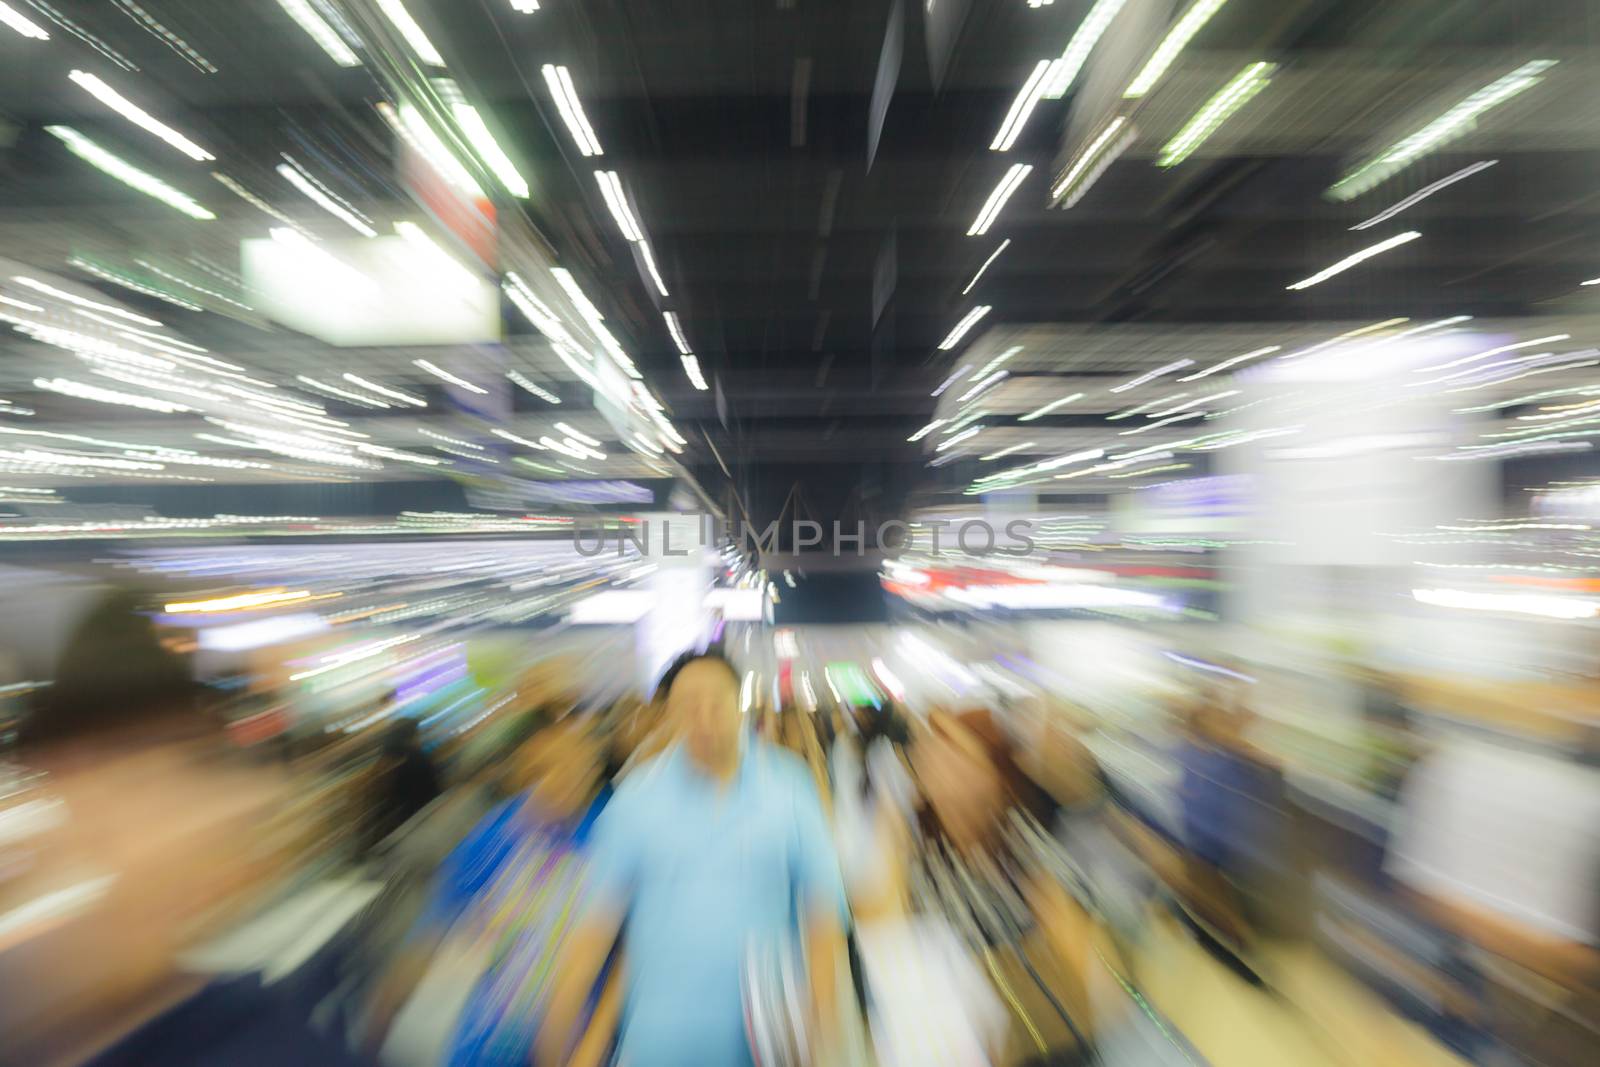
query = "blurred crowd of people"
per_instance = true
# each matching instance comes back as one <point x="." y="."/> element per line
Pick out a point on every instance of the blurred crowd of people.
<point x="684" y="881"/>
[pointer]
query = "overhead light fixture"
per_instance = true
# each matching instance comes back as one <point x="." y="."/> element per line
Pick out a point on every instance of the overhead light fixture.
<point x="1182" y="32"/>
<point x="313" y="191"/>
<point x="1591" y="281"/>
<point x="127" y="173"/>
<point x="997" y="200"/>
<point x="997" y="376"/>
<point x="948" y="382"/>
<point x="948" y="443"/>
<point x="384" y="390"/>
<point x="992" y="257"/>
<point x="676" y="330"/>
<point x="252" y="199"/>
<point x="537" y="390"/>
<point x="454" y="379"/>
<point x="1048" y="408"/>
<point x="649" y="258"/>
<point x="402" y="20"/>
<point x="691" y="367"/>
<point x="1225" y="364"/>
<point x="489" y="150"/>
<point x="1064" y="70"/>
<point x="409" y="125"/>
<point x="509" y="436"/>
<point x="83" y="302"/>
<point x="570" y="286"/>
<point x="1551" y="339"/>
<point x="926" y="430"/>
<point x="1005" y="452"/>
<point x="1423" y="193"/>
<point x="967" y="322"/>
<point x="1227" y="100"/>
<point x="13" y="18"/>
<point x="1354" y="258"/>
<point x="983" y="371"/>
<point x="575" y="435"/>
<point x="134" y="285"/>
<point x="559" y="79"/>
<point x="137" y="115"/>
<point x="343" y="394"/>
<point x="617" y="201"/>
<point x="1076" y="181"/>
<point x="1022" y="107"/>
<point x="1453" y="123"/>
<point x="1152" y="375"/>
<point x="328" y="39"/>
<point x="68" y="387"/>
<point x="1347" y="335"/>
<point x="525" y="7"/>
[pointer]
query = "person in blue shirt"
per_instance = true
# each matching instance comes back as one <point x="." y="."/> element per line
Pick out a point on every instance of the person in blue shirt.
<point x="717" y="846"/>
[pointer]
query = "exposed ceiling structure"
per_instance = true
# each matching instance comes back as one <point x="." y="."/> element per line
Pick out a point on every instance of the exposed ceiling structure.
<point x="795" y="182"/>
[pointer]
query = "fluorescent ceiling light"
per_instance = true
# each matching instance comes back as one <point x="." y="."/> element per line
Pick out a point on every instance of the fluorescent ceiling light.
<point x="997" y="200"/>
<point x="650" y="265"/>
<point x="570" y="286"/>
<point x="1230" y="98"/>
<point x="559" y="79"/>
<point x="691" y="367"/>
<point x="992" y="257"/>
<point x="997" y="376"/>
<point x="525" y="7"/>
<point x="439" y="372"/>
<point x="343" y="394"/>
<point x="1182" y="31"/>
<point x="1347" y="335"/>
<point x="384" y="390"/>
<point x="413" y="34"/>
<point x="967" y="322"/>
<point x="948" y="382"/>
<point x="1591" y="281"/>
<point x="127" y="173"/>
<point x="1048" y="408"/>
<point x="489" y="150"/>
<point x="926" y="430"/>
<point x="1005" y="451"/>
<point x="575" y="435"/>
<point x="1551" y="339"/>
<point x="1354" y="258"/>
<point x="412" y="128"/>
<point x="1453" y="123"/>
<point x="1022" y="107"/>
<point x="78" y="301"/>
<point x="1152" y="375"/>
<point x="617" y="201"/>
<point x="1064" y="70"/>
<point x="676" y="330"/>
<point x="996" y="361"/>
<point x="13" y="18"/>
<point x="295" y="177"/>
<point x="1225" y="364"/>
<point x="1092" y="162"/>
<point x="68" y="387"/>
<point x="509" y="436"/>
<point x="252" y="199"/>
<point x="137" y="115"/>
<point x="971" y="431"/>
<point x="1423" y="193"/>
<point x="319" y="31"/>
<point x="533" y="387"/>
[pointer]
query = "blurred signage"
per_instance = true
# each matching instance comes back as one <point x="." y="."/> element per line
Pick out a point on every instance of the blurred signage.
<point x="472" y="221"/>
<point x="373" y="292"/>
